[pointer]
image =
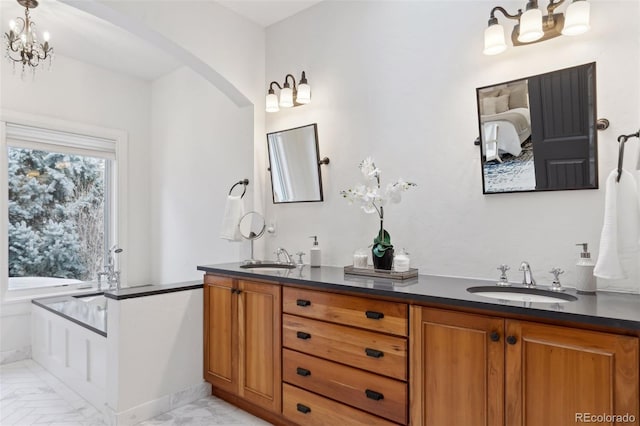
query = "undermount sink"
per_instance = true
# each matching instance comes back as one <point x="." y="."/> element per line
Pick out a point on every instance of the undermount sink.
<point x="268" y="266"/>
<point x="522" y="294"/>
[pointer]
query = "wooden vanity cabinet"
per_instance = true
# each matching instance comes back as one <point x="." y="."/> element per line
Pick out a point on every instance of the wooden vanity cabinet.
<point x="481" y="370"/>
<point x="344" y="359"/>
<point x="242" y="352"/>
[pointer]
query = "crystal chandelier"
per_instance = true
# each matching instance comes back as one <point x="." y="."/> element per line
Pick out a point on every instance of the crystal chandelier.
<point x="22" y="44"/>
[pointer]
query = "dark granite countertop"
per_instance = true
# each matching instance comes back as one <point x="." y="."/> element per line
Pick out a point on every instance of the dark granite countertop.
<point x="606" y="309"/>
<point x="89" y="310"/>
<point x="151" y="290"/>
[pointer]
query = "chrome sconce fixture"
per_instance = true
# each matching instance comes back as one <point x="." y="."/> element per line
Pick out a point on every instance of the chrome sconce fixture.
<point x="22" y="44"/>
<point x="532" y="27"/>
<point x="289" y="97"/>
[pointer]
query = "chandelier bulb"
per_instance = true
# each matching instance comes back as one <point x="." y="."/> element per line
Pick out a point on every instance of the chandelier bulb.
<point x="46" y="36"/>
<point x="12" y="25"/>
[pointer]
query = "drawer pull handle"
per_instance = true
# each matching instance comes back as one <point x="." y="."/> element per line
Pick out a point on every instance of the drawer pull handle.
<point x="303" y="372"/>
<point x="303" y="303"/>
<point x="302" y="335"/>
<point x="303" y="408"/>
<point x="495" y="336"/>
<point x="374" y="353"/>
<point x="376" y="396"/>
<point x="512" y="340"/>
<point x="374" y="315"/>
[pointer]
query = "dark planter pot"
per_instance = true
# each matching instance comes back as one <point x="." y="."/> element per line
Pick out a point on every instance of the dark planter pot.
<point x="384" y="262"/>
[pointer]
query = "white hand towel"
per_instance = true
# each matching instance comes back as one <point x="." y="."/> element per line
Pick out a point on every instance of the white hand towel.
<point x="233" y="211"/>
<point x="619" y="237"/>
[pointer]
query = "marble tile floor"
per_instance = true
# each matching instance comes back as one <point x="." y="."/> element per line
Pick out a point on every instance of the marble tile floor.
<point x="30" y="395"/>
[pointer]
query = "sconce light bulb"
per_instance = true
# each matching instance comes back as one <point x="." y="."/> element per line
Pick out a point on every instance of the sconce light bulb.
<point x="286" y="97"/>
<point x="530" y="26"/>
<point x="494" y="40"/>
<point x="577" y="18"/>
<point x="304" y="94"/>
<point x="272" y="103"/>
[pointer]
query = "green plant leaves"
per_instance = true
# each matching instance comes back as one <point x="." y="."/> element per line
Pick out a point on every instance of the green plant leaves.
<point x="381" y="245"/>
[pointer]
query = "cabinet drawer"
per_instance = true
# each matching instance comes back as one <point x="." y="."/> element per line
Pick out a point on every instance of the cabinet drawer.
<point x="375" y="394"/>
<point x="377" y="315"/>
<point x="308" y="409"/>
<point x="379" y="353"/>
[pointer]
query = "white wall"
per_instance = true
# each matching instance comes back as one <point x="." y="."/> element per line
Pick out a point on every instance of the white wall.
<point x="202" y="145"/>
<point x="154" y="355"/>
<point x="82" y="93"/>
<point x="78" y="92"/>
<point x="235" y="48"/>
<point x="396" y="81"/>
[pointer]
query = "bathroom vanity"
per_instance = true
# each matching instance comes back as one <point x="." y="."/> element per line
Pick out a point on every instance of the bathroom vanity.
<point x="312" y="346"/>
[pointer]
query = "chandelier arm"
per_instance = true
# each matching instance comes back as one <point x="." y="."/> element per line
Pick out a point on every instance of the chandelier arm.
<point x="505" y="13"/>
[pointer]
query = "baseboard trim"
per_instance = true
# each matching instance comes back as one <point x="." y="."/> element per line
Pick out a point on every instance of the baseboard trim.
<point x="157" y="406"/>
<point x="15" y="355"/>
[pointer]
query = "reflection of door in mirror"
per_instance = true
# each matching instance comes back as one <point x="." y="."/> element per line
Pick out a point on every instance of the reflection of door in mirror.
<point x="294" y="165"/>
<point x="563" y="145"/>
<point x="538" y="133"/>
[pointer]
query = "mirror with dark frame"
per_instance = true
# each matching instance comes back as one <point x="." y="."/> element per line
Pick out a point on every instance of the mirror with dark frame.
<point x="294" y="163"/>
<point x="539" y="133"/>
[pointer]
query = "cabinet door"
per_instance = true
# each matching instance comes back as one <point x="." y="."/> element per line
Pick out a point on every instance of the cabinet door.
<point x="555" y="374"/>
<point x="259" y="349"/>
<point x="220" y="330"/>
<point x="457" y="368"/>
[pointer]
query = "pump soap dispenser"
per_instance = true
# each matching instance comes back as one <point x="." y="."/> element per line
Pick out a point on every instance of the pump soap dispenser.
<point x="314" y="253"/>
<point x="585" y="281"/>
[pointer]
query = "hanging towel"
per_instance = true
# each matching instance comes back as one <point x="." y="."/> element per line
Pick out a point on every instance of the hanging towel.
<point x="233" y="211"/>
<point x="620" y="232"/>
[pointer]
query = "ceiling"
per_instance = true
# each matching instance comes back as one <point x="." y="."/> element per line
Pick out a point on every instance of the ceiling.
<point x="267" y="12"/>
<point x="84" y="37"/>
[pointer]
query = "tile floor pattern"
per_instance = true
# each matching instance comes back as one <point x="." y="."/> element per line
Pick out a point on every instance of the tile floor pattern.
<point x="29" y="395"/>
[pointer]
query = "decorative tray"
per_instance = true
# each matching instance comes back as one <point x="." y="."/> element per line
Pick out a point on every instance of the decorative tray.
<point x="381" y="273"/>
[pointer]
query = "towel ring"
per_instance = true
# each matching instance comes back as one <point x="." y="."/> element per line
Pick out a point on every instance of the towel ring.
<point x="622" y="139"/>
<point x="243" y="182"/>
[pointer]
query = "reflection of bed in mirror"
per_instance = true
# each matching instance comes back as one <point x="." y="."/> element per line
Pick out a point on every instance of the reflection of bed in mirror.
<point x="538" y="133"/>
<point x="505" y="119"/>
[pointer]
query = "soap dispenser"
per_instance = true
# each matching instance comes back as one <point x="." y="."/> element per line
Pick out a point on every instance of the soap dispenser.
<point x="314" y="253"/>
<point x="585" y="281"/>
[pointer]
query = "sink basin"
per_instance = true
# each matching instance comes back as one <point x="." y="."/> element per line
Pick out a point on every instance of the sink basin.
<point x="273" y="266"/>
<point x="521" y="294"/>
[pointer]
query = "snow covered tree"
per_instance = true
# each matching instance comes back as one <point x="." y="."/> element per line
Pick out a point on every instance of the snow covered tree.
<point x="56" y="214"/>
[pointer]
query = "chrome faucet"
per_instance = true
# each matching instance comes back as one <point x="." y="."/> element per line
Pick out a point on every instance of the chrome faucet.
<point x="112" y="276"/>
<point x="527" y="279"/>
<point x="285" y="253"/>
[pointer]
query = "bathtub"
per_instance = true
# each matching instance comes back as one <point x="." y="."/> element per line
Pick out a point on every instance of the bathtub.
<point x="69" y="339"/>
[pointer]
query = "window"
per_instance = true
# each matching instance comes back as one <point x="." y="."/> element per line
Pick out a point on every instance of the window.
<point x="60" y="206"/>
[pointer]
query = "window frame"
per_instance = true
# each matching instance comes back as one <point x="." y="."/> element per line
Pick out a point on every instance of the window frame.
<point x="116" y="210"/>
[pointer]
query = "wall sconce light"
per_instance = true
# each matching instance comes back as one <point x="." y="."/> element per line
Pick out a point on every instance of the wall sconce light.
<point x="289" y="97"/>
<point x="532" y="27"/>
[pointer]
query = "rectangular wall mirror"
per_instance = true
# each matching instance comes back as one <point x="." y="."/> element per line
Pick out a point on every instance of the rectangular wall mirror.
<point x="539" y="133"/>
<point x="294" y="163"/>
